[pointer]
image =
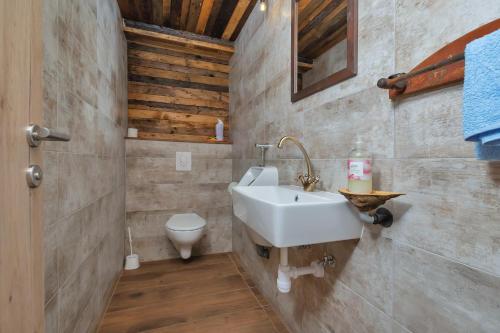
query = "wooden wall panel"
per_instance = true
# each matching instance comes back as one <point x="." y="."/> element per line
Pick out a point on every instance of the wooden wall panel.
<point x="175" y="95"/>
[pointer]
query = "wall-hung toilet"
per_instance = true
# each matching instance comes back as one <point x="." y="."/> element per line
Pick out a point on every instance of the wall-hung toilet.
<point x="184" y="230"/>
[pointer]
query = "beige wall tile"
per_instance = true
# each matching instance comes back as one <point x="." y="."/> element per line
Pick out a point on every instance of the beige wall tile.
<point x="452" y="200"/>
<point x="431" y="126"/>
<point x="433" y="294"/>
<point x="84" y="183"/>
<point x="416" y="23"/>
<point x="156" y="191"/>
<point x="75" y="295"/>
<point x="52" y="315"/>
<point x="332" y="128"/>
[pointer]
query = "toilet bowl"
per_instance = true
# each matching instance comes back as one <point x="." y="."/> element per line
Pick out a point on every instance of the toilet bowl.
<point x="184" y="230"/>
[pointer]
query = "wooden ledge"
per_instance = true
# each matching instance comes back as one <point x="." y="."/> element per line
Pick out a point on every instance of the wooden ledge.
<point x="188" y="39"/>
<point x="226" y="142"/>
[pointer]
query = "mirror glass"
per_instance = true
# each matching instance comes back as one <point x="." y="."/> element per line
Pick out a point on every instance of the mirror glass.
<point x="323" y="47"/>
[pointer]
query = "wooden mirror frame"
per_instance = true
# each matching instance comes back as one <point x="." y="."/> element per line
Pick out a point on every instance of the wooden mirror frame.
<point x="352" y="54"/>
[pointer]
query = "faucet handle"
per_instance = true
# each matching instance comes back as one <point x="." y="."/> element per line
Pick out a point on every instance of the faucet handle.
<point x="306" y="179"/>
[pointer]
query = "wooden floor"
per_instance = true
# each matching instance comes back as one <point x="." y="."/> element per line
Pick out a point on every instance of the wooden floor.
<point x="209" y="294"/>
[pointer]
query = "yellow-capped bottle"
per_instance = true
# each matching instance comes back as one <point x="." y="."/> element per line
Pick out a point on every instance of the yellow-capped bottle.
<point x="359" y="166"/>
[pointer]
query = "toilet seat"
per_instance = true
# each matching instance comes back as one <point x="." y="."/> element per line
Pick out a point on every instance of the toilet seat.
<point x="185" y="222"/>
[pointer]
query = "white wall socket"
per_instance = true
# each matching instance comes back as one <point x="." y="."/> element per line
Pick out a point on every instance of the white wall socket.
<point x="183" y="161"/>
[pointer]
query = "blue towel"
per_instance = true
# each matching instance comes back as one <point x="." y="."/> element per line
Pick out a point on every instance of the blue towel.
<point x="481" y="113"/>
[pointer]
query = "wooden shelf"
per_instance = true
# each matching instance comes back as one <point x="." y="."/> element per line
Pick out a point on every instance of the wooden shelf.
<point x="226" y="142"/>
<point x="366" y="202"/>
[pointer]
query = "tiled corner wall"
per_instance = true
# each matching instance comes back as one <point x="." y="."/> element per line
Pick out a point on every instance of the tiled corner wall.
<point x="156" y="191"/>
<point x="85" y="94"/>
<point x="437" y="269"/>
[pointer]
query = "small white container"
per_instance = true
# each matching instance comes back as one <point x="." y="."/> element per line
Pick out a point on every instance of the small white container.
<point x="219" y="130"/>
<point x="132" y="132"/>
<point x="132" y="262"/>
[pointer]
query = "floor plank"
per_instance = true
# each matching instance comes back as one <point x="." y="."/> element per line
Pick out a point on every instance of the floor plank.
<point x="209" y="294"/>
<point x="152" y="295"/>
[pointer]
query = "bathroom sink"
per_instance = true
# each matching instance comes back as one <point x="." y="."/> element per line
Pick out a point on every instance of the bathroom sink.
<point x="287" y="216"/>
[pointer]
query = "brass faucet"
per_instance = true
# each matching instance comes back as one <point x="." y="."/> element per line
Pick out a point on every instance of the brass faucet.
<point x="308" y="180"/>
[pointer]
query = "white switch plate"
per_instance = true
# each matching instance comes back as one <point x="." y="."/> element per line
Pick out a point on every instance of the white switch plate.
<point x="183" y="161"/>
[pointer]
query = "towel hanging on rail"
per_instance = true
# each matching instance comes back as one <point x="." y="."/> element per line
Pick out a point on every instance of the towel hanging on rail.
<point x="481" y="110"/>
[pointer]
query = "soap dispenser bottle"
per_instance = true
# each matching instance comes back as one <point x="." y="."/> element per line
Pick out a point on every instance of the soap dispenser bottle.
<point x="219" y="130"/>
<point x="359" y="166"/>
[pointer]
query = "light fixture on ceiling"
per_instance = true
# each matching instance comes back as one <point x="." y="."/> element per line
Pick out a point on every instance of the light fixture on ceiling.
<point x="263" y="5"/>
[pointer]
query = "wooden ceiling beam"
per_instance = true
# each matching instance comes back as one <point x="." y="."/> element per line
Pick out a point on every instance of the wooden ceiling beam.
<point x="238" y="13"/>
<point x="166" y="12"/>
<point x="322" y="25"/>
<point x="209" y="17"/>
<point x="206" y="9"/>
<point x="175" y="14"/>
<point x="243" y="20"/>
<point x="185" y="11"/>
<point x="327" y="43"/>
<point x="303" y="4"/>
<point x="157" y="12"/>
<point x="213" y="17"/>
<point x="304" y="21"/>
<point x="194" y="14"/>
<point x="138" y="29"/>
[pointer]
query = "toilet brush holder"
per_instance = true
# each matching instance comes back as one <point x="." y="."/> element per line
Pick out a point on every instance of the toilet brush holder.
<point x="132" y="262"/>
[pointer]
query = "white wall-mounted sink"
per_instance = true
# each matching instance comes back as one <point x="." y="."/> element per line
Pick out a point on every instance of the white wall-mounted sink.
<point x="287" y="216"/>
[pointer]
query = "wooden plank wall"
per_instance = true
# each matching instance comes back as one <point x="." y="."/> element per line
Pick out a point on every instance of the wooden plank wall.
<point x="176" y="93"/>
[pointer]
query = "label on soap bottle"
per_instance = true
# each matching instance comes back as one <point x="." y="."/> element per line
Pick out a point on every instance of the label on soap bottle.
<point x="359" y="169"/>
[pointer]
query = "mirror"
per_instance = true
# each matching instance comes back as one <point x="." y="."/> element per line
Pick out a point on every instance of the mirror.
<point x="324" y="44"/>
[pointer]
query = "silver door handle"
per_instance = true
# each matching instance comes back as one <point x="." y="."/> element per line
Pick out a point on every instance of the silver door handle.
<point x="36" y="134"/>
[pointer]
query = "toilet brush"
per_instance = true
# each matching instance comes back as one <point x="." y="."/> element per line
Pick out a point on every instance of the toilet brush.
<point x="132" y="261"/>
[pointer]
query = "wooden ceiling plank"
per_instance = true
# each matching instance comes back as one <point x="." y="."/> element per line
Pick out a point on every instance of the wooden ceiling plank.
<point x="194" y="14"/>
<point x="157" y="12"/>
<point x="226" y="10"/>
<point x="184" y="14"/>
<point x="166" y="12"/>
<point x="328" y="43"/>
<point x="303" y="21"/>
<point x="238" y="13"/>
<point x="303" y="4"/>
<point x="243" y="20"/>
<point x="305" y="40"/>
<point x="175" y="14"/>
<point x="177" y="37"/>
<point x="321" y="18"/>
<point x="306" y="10"/>
<point x="206" y="9"/>
<point x="213" y="17"/>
